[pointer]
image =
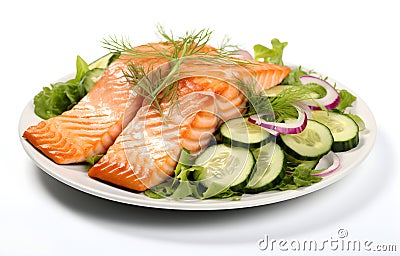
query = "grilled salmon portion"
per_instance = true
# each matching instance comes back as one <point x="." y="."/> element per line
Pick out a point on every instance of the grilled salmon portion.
<point x="147" y="151"/>
<point x="93" y="124"/>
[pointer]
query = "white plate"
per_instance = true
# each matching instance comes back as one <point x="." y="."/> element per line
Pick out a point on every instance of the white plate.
<point x="75" y="175"/>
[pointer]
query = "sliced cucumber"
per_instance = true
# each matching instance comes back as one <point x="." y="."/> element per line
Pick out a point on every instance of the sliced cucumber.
<point x="343" y="128"/>
<point x="96" y="70"/>
<point x="274" y="91"/>
<point x="241" y="133"/>
<point x="91" y="78"/>
<point x="269" y="169"/>
<point x="223" y="167"/>
<point x="104" y="61"/>
<point x="313" y="142"/>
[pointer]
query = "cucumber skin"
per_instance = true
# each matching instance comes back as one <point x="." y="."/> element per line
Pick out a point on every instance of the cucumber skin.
<point x="342" y="146"/>
<point x="272" y="184"/>
<point x="239" y="187"/>
<point x="104" y="61"/>
<point x="297" y="156"/>
<point x="233" y="143"/>
<point x="90" y="76"/>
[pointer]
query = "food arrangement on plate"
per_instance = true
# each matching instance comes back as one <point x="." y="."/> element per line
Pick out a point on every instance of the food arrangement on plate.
<point x="181" y="118"/>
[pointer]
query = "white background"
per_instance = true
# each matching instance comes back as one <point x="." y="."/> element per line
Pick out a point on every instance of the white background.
<point x="355" y="42"/>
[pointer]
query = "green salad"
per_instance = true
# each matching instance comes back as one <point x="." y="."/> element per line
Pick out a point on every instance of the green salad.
<point x="276" y="145"/>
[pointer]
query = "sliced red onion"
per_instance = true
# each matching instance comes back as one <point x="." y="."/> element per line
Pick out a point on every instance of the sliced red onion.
<point x="285" y="128"/>
<point x="333" y="163"/>
<point x="331" y="99"/>
<point x="306" y="109"/>
<point x="272" y="132"/>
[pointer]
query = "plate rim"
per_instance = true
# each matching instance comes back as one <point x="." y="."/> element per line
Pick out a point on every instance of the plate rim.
<point x="105" y="191"/>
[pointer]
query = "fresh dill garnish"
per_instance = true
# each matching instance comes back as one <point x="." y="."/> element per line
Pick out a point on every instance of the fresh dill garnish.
<point x="150" y="83"/>
<point x="190" y="44"/>
<point x="281" y="106"/>
<point x="117" y="45"/>
<point x="258" y="102"/>
<point x="162" y="85"/>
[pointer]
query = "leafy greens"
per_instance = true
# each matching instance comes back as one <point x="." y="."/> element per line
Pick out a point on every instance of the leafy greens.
<point x="270" y="55"/>
<point x="61" y="96"/>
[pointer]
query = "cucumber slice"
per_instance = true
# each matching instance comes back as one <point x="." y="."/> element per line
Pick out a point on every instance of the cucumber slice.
<point x="313" y="142"/>
<point x="223" y="167"/>
<point x="239" y="132"/>
<point x="343" y="128"/>
<point x="104" y="61"/>
<point x="274" y="91"/>
<point x="271" y="164"/>
<point x="96" y="70"/>
<point x="91" y="78"/>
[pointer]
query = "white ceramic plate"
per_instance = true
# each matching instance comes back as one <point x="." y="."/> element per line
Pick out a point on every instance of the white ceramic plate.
<point x="75" y="175"/>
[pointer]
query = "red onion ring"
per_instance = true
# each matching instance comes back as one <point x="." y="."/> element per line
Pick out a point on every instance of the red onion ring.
<point x="331" y="99"/>
<point x="285" y="128"/>
<point x="334" y="162"/>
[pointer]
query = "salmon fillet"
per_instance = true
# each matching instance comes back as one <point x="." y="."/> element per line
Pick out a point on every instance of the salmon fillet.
<point x="147" y="151"/>
<point x="93" y="124"/>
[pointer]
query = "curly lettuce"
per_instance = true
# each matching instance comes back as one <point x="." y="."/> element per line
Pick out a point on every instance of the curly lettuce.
<point x="62" y="96"/>
<point x="270" y="55"/>
<point x="59" y="97"/>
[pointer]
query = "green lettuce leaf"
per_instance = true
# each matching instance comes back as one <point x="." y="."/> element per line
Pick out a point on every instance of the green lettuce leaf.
<point x="59" y="97"/>
<point x="94" y="159"/>
<point x="293" y="77"/>
<point x="81" y="68"/>
<point x="273" y="55"/>
<point x="162" y="190"/>
<point x="346" y="100"/>
<point x="300" y="177"/>
<point x="233" y="195"/>
<point x="180" y="186"/>
<point x="54" y="100"/>
<point x="153" y="194"/>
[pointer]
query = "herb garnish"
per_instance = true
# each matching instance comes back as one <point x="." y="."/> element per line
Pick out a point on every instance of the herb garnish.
<point x="154" y="84"/>
<point x="282" y="105"/>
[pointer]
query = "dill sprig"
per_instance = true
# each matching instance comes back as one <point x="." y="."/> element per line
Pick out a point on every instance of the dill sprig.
<point x="190" y="44"/>
<point x="157" y="85"/>
<point x="281" y="106"/>
<point x="152" y="84"/>
<point x="185" y="46"/>
<point x="258" y="102"/>
<point x="117" y="45"/>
